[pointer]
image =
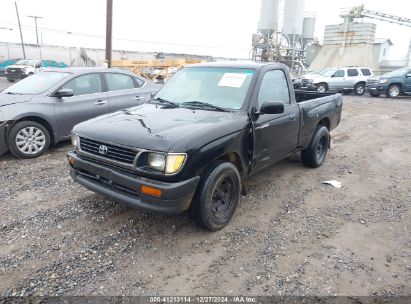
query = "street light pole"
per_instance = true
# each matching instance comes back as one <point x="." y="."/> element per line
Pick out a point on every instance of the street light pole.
<point x="109" y="29"/>
<point x="21" y="33"/>
<point x="37" y="33"/>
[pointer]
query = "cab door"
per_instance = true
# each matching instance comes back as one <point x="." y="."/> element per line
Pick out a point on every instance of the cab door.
<point x="337" y="80"/>
<point x="407" y="82"/>
<point x="275" y="135"/>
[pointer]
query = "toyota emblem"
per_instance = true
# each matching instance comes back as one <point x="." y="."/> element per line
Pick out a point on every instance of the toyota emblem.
<point x="102" y="150"/>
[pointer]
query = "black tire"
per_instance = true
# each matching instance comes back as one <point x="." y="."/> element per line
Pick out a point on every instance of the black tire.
<point x="359" y="89"/>
<point x="322" y="87"/>
<point x="10" y="80"/>
<point x="394" y="91"/>
<point x="374" y="94"/>
<point x="316" y="152"/>
<point x="217" y="196"/>
<point x="37" y="139"/>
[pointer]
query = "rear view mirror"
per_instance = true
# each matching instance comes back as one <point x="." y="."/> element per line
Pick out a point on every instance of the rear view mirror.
<point x="64" y="93"/>
<point x="272" y="107"/>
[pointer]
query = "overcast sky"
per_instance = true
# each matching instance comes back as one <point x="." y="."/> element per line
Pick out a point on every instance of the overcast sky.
<point x="206" y="27"/>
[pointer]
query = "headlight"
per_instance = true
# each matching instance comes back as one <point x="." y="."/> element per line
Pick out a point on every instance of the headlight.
<point x="157" y="161"/>
<point x="75" y="141"/>
<point x="167" y="163"/>
<point x="383" y="81"/>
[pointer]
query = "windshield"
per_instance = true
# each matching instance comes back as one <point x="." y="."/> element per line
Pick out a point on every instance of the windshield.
<point x="397" y="73"/>
<point x="25" y="62"/>
<point x="327" y="72"/>
<point x="36" y="84"/>
<point x="221" y="87"/>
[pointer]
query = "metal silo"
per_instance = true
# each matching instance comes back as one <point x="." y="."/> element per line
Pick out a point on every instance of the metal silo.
<point x="308" y="27"/>
<point x="268" y="16"/>
<point x="293" y="18"/>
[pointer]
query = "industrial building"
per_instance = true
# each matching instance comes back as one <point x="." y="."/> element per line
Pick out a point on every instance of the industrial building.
<point x="286" y="34"/>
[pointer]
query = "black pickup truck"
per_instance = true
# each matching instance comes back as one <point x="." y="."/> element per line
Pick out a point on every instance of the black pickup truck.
<point x="210" y="127"/>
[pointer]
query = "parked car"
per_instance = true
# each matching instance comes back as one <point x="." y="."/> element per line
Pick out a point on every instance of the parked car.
<point x="22" y="68"/>
<point x="42" y="109"/>
<point x="392" y="84"/>
<point x="207" y="129"/>
<point x="344" y="79"/>
<point x="305" y="82"/>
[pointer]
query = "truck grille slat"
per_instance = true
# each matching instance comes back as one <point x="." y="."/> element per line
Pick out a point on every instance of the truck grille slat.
<point x="121" y="154"/>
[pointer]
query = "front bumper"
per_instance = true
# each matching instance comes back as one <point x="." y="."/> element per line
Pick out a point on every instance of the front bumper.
<point x="378" y="88"/>
<point x="3" y="144"/>
<point x="124" y="187"/>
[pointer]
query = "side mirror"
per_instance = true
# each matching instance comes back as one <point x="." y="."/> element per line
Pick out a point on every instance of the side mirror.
<point x="64" y="93"/>
<point x="408" y="75"/>
<point x="272" y="107"/>
<point x="332" y="75"/>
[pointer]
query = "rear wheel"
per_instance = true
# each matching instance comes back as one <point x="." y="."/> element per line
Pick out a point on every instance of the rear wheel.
<point x="322" y="87"/>
<point x="394" y="91"/>
<point x="359" y="89"/>
<point x="316" y="152"/>
<point x="217" y="196"/>
<point x="10" y="80"/>
<point x="28" y="139"/>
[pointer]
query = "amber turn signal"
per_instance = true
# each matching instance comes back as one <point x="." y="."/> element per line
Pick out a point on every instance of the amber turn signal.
<point x="150" y="191"/>
<point x="71" y="160"/>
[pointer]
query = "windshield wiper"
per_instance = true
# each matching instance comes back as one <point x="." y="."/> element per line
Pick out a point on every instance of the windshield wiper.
<point x="166" y="101"/>
<point x="13" y="93"/>
<point x="202" y="104"/>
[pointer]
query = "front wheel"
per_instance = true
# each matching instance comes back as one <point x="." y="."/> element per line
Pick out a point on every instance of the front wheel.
<point x="28" y="139"/>
<point x="10" y="80"/>
<point x="394" y="91"/>
<point x="316" y="152"/>
<point x="217" y="196"/>
<point x="359" y="89"/>
<point x="322" y="87"/>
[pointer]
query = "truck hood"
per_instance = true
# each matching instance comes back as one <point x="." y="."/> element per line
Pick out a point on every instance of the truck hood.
<point x="158" y="128"/>
<point x="13" y="66"/>
<point x="8" y="99"/>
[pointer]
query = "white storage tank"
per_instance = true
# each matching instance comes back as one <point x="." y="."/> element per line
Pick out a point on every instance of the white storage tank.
<point x="293" y="17"/>
<point x="268" y="16"/>
<point x="309" y="27"/>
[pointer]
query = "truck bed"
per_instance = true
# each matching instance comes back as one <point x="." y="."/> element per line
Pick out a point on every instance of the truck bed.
<point x="302" y="95"/>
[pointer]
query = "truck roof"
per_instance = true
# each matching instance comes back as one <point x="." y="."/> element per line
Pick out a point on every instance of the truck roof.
<point x="82" y="70"/>
<point x="246" y="64"/>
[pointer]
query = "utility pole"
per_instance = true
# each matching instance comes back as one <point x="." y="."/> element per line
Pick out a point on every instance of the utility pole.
<point x="37" y="33"/>
<point x="109" y="32"/>
<point x="21" y="33"/>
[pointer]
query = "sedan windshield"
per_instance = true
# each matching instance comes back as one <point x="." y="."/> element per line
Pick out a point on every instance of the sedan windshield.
<point x="36" y="84"/>
<point x="219" y="87"/>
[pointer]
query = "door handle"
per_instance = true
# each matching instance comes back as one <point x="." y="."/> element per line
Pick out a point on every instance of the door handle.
<point x="100" y="102"/>
<point x="292" y="117"/>
<point x="138" y="98"/>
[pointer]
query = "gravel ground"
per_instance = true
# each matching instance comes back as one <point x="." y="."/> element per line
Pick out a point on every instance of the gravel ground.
<point x="291" y="235"/>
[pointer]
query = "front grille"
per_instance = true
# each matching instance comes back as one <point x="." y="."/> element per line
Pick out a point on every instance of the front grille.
<point x="372" y="80"/>
<point x="121" y="154"/>
<point x="304" y="81"/>
<point x="15" y="71"/>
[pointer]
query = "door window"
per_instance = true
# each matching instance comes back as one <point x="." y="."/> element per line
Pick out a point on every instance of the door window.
<point x="118" y="82"/>
<point x="274" y="87"/>
<point x="139" y="82"/>
<point x="366" y="72"/>
<point x="339" y="73"/>
<point x="352" y="72"/>
<point x="85" y="84"/>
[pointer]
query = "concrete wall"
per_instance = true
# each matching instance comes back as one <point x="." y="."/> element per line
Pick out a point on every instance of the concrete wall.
<point x="79" y="56"/>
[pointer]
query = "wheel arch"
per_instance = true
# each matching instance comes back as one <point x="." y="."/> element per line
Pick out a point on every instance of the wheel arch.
<point x="39" y="120"/>
<point x="325" y="122"/>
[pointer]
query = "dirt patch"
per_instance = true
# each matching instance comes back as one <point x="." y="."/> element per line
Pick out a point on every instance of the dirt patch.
<point x="291" y="235"/>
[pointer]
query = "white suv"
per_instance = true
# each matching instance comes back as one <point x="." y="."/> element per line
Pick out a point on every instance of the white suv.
<point x="344" y="79"/>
